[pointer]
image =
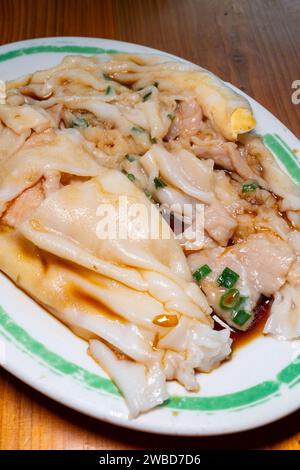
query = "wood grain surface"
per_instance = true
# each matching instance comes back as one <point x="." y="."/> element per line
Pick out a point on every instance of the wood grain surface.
<point x="255" y="44"/>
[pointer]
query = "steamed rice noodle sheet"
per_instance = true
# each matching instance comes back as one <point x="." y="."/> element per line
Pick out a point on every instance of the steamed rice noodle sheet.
<point x="94" y="149"/>
<point x="124" y="295"/>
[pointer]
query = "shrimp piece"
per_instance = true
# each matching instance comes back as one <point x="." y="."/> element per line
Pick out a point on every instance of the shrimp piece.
<point x="228" y="156"/>
<point x="219" y="224"/>
<point x="51" y="182"/>
<point x="188" y="120"/>
<point x="241" y="166"/>
<point x="24" y="205"/>
<point x="214" y="149"/>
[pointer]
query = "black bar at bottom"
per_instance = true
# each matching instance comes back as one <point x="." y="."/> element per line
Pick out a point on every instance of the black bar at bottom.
<point x="138" y="459"/>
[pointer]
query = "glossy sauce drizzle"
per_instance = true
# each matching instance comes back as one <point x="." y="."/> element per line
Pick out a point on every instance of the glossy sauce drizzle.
<point x="261" y="313"/>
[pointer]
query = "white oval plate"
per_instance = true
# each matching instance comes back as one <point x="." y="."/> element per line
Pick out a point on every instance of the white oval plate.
<point x="259" y="385"/>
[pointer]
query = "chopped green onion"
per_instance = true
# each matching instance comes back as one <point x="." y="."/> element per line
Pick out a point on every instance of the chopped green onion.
<point x="147" y="96"/>
<point x="159" y="183"/>
<point x="131" y="177"/>
<point x="250" y="186"/>
<point x="106" y="77"/>
<point x="230" y="299"/>
<point x="130" y="158"/>
<point x="228" y="278"/>
<point x="137" y="130"/>
<point x="241" y="302"/>
<point x="155" y="84"/>
<point x="79" y="122"/>
<point x="241" y="317"/>
<point x="171" y="117"/>
<point x="201" y="272"/>
<point x="108" y="90"/>
<point x="148" y="194"/>
<point x="153" y="140"/>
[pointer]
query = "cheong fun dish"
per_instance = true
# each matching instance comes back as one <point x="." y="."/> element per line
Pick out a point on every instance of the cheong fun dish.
<point x="163" y="135"/>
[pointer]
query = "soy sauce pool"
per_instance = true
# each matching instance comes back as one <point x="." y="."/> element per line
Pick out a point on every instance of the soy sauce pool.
<point x="261" y="314"/>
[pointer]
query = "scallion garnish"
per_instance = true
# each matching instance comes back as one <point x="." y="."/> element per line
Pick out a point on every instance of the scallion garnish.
<point x="137" y="130"/>
<point x="153" y="140"/>
<point x="201" y="272"/>
<point x="108" y="90"/>
<point x="230" y="300"/>
<point x="79" y="122"/>
<point x="148" y="194"/>
<point x="241" y="302"/>
<point x="159" y="183"/>
<point x="241" y="317"/>
<point x="147" y="96"/>
<point x="130" y="158"/>
<point x="250" y="186"/>
<point x="106" y="77"/>
<point x="131" y="177"/>
<point x="228" y="278"/>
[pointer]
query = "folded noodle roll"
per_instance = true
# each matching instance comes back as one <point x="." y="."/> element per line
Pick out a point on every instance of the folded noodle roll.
<point x="278" y="180"/>
<point x="53" y="283"/>
<point x="61" y="224"/>
<point x="64" y="151"/>
<point x="88" y="150"/>
<point x="146" y="387"/>
<point x="21" y="119"/>
<point x="284" y="321"/>
<point x="120" y="291"/>
<point x="229" y="112"/>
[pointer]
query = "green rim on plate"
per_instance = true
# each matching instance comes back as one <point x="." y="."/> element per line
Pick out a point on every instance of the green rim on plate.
<point x="13" y="332"/>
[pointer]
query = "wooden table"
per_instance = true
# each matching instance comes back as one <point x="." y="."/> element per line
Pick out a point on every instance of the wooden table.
<point x="251" y="43"/>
